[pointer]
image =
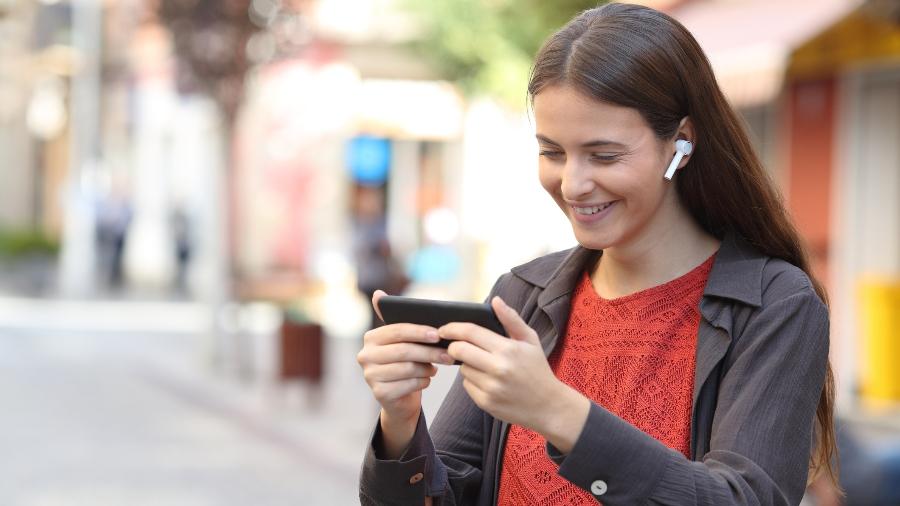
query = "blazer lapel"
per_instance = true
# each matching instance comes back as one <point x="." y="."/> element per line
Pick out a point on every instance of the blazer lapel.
<point x="555" y="300"/>
<point x="736" y="276"/>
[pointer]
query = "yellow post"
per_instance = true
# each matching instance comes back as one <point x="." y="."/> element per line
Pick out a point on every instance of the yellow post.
<point x="879" y="312"/>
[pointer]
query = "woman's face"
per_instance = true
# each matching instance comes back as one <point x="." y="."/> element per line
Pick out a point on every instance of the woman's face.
<point x="604" y="167"/>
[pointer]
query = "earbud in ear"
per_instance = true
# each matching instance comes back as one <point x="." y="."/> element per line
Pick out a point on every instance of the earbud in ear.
<point x="682" y="148"/>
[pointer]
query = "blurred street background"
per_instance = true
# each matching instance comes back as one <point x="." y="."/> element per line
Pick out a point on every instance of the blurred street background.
<point x="197" y="198"/>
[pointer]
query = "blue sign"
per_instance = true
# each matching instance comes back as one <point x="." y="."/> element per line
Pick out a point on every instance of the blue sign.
<point x="369" y="159"/>
<point x="435" y="264"/>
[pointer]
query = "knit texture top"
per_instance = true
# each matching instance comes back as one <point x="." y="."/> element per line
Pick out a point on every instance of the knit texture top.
<point x="633" y="355"/>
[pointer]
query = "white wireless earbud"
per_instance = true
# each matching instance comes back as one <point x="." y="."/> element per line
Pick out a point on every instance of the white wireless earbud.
<point x="682" y="148"/>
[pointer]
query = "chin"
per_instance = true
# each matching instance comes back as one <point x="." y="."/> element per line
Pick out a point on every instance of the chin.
<point x="591" y="241"/>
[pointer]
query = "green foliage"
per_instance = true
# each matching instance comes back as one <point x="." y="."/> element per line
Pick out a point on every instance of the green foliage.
<point x="487" y="46"/>
<point x="20" y="243"/>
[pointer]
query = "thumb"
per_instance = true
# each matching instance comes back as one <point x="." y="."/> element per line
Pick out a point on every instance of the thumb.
<point x="513" y="323"/>
<point x="375" y="297"/>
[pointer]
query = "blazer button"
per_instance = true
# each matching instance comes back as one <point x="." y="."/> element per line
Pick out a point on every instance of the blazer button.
<point x="416" y="478"/>
<point x="598" y="487"/>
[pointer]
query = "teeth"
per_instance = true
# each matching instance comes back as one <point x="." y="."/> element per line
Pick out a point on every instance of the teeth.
<point x="591" y="210"/>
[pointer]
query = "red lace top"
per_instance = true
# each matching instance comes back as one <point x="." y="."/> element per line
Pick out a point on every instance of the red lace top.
<point x="635" y="357"/>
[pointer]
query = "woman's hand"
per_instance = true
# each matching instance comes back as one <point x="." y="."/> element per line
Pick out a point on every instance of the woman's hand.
<point x="397" y="368"/>
<point x="511" y="379"/>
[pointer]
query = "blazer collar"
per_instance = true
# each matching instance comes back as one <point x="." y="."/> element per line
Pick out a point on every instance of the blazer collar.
<point x="737" y="272"/>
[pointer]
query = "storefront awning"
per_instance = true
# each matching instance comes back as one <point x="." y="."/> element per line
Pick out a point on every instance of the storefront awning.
<point x="749" y="42"/>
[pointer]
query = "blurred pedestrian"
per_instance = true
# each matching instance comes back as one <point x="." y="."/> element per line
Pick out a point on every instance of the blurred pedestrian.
<point x="181" y="239"/>
<point x="677" y="355"/>
<point x="113" y="220"/>
<point x="376" y="266"/>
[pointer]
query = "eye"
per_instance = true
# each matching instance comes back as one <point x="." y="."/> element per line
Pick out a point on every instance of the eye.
<point x="604" y="157"/>
<point x="552" y="155"/>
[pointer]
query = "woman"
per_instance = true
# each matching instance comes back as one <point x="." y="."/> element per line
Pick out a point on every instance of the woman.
<point x="678" y="355"/>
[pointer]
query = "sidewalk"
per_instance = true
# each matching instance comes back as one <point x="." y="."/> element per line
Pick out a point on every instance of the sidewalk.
<point x="93" y="390"/>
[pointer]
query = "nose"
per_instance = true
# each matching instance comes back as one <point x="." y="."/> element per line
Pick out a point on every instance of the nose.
<point x="576" y="180"/>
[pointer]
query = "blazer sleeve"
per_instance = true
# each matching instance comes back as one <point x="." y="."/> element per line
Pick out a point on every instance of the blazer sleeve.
<point x="762" y="427"/>
<point x="449" y="456"/>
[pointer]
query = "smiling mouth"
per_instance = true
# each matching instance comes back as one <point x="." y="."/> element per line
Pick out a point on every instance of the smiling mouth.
<point x="592" y="210"/>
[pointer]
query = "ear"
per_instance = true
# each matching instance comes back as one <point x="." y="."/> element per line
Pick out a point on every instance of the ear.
<point x="686" y="131"/>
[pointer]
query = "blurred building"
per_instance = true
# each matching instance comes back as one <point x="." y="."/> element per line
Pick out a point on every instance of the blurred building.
<point x="34" y="68"/>
<point x="818" y="83"/>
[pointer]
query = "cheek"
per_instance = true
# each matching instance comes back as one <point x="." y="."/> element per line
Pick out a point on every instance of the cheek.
<point x="644" y="194"/>
<point x="549" y="179"/>
<point x="644" y="179"/>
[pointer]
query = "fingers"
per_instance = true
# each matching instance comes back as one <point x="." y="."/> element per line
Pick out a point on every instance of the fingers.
<point x="398" y="371"/>
<point x="397" y="353"/>
<point x="471" y="355"/>
<point x="401" y="333"/>
<point x="477" y="378"/>
<point x="403" y="352"/>
<point x="479" y="366"/>
<point x="475" y="334"/>
<point x="386" y="392"/>
<point x="475" y="392"/>
<point x="515" y="326"/>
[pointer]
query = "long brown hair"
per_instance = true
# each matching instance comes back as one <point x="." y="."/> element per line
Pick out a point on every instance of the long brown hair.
<point x="637" y="57"/>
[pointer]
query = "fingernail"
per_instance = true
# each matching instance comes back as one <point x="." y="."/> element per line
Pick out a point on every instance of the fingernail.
<point x="446" y="359"/>
<point x="432" y="335"/>
<point x="506" y="307"/>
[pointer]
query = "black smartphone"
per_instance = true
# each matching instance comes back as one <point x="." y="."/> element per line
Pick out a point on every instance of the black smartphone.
<point x="436" y="313"/>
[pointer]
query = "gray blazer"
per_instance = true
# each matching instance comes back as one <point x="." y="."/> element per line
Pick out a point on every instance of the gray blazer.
<point x="762" y="349"/>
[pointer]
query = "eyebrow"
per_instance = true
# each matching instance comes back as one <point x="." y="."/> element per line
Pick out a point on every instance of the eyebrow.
<point x="589" y="144"/>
